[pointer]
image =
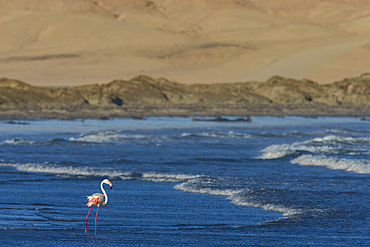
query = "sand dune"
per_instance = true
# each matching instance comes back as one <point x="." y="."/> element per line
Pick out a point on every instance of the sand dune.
<point x="304" y="62"/>
<point x="74" y="42"/>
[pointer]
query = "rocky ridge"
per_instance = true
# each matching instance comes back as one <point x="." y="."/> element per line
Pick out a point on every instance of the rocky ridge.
<point x="145" y="96"/>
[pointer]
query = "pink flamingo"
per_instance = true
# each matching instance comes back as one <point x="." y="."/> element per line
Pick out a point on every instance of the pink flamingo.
<point x="96" y="199"/>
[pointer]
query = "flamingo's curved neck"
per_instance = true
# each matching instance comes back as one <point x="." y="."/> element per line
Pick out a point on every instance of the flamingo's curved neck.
<point x="105" y="194"/>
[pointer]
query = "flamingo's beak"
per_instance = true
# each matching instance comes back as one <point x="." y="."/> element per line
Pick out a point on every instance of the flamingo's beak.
<point x="109" y="183"/>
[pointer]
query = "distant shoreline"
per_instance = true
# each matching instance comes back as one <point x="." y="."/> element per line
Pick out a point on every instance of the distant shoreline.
<point x="199" y="111"/>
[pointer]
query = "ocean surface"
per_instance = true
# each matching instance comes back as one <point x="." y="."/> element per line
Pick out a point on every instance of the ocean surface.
<point x="271" y="182"/>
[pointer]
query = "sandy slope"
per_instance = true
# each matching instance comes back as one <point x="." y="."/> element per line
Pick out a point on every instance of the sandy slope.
<point x="74" y="42"/>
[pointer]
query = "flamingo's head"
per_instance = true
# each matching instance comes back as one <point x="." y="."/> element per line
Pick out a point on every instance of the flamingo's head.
<point x="106" y="181"/>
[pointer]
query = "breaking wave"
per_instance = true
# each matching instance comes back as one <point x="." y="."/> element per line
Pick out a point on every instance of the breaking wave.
<point x="70" y="171"/>
<point x="322" y="145"/>
<point x="110" y="136"/>
<point x="239" y="197"/>
<point x="231" y="134"/>
<point x="351" y="165"/>
<point x="17" y="141"/>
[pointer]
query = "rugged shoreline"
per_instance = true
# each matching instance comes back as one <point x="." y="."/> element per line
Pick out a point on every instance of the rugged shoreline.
<point x="135" y="111"/>
<point x="143" y="96"/>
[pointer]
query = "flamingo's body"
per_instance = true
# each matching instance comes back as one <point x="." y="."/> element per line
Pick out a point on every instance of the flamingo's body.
<point x="96" y="199"/>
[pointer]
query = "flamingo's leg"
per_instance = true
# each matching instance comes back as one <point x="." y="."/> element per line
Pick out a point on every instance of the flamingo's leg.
<point x="96" y="217"/>
<point x="87" y="218"/>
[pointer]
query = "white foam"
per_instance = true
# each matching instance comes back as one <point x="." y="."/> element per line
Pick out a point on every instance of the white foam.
<point x="236" y="196"/>
<point x="351" y="165"/>
<point x="334" y="138"/>
<point x="50" y="168"/>
<point x="286" y="211"/>
<point x="231" y="134"/>
<point x="327" y="144"/>
<point x="167" y="177"/>
<point x="109" y="136"/>
<point x="277" y="151"/>
<point x="16" y="142"/>
<point x="66" y="171"/>
<point x="204" y="190"/>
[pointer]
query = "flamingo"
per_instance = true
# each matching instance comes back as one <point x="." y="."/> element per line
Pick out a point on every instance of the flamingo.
<point x="96" y="199"/>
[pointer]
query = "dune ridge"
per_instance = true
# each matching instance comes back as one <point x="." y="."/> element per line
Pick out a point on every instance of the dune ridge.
<point x="145" y="96"/>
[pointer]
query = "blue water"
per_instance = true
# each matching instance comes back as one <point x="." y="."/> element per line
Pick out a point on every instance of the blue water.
<point x="272" y="182"/>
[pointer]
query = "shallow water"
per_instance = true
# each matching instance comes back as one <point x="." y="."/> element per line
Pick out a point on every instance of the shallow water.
<point x="276" y="181"/>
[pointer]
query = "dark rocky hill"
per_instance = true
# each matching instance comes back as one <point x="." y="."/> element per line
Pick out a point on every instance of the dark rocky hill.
<point x="143" y="96"/>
